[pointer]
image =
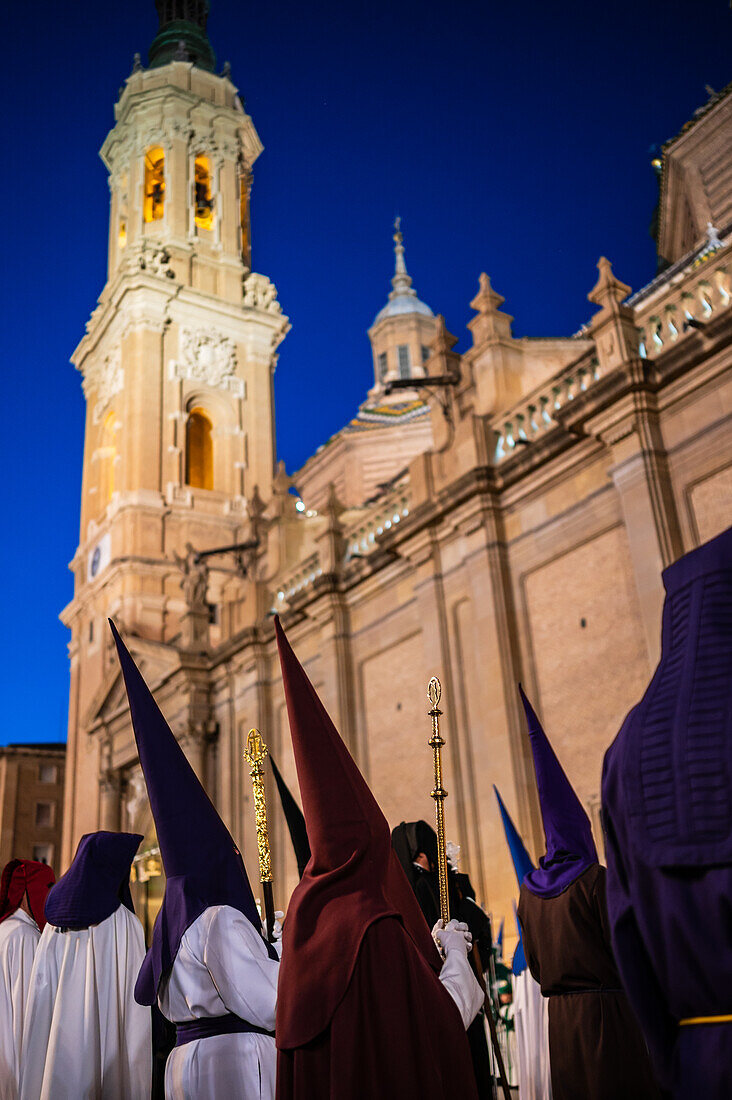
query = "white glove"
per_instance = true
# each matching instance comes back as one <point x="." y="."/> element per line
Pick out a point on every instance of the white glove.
<point x="276" y="927"/>
<point x="452" y="937"/>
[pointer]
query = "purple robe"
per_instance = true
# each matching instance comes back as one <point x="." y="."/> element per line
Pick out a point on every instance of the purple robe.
<point x="667" y="808"/>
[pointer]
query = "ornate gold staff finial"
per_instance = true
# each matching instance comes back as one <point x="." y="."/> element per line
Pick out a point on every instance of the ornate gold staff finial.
<point x="434" y="692"/>
<point x="255" y="754"/>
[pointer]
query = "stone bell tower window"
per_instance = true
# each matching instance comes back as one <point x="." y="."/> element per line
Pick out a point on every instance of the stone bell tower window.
<point x="203" y="196"/>
<point x="154" y="199"/>
<point x="404" y="365"/>
<point x="244" y="218"/>
<point x="199" y="450"/>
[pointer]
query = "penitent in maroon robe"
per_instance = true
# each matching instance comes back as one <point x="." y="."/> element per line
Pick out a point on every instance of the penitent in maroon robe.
<point x="361" y="1011"/>
<point x="413" y="1046"/>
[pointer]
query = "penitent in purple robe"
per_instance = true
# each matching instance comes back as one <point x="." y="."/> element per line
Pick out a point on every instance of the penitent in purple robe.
<point x="667" y="805"/>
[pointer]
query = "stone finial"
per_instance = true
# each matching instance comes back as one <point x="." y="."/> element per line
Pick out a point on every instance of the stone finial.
<point x="181" y="52"/>
<point x="613" y="326"/>
<point x="444" y="341"/>
<point x="281" y="483"/>
<point x="136" y="63"/>
<point x="491" y="323"/>
<point x="334" y="509"/>
<point x="401" y="280"/>
<point x="331" y="541"/>
<point x="226" y="71"/>
<point x="608" y="292"/>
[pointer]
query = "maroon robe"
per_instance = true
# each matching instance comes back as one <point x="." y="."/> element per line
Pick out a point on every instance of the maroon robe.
<point x="596" y="1049"/>
<point x="412" y="1046"/>
<point x="361" y="1011"/>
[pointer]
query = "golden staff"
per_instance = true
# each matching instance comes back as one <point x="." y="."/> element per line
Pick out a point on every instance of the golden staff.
<point x="434" y="691"/>
<point x="255" y="754"/>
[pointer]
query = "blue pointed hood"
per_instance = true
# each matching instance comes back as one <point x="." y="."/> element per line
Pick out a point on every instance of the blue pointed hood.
<point x="522" y="863"/>
<point x="570" y="848"/>
<point x="518" y="964"/>
<point x="203" y="865"/>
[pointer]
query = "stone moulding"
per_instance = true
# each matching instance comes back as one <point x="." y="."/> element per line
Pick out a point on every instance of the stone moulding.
<point x="104" y="377"/>
<point x="208" y="357"/>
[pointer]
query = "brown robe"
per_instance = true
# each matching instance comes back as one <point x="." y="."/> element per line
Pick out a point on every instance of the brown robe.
<point x="596" y="1048"/>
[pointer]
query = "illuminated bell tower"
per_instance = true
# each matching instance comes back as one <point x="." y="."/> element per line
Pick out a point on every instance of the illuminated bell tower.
<point x="177" y="365"/>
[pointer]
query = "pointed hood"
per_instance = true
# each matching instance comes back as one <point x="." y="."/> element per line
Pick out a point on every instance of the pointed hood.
<point x="96" y="883"/>
<point x="518" y="964"/>
<point x="25" y="878"/>
<point x="294" y="818"/>
<point x="521" y="859"/>
<point x="570" y="849"/>
<point x="203" y="866"/>
<point x="353" y="877"/>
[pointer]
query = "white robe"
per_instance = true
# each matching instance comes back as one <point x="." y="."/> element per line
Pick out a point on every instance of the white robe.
<point x="19" y="938"/>
<point x="531" y="1015"/>
<point x="222" y="966"/>
<point x="85" y="1037"/>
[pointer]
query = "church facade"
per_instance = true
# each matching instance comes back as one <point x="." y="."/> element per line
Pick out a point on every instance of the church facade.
<point x="492" y="517"/>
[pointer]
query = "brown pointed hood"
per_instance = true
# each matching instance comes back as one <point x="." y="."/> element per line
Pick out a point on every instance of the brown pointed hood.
<point x="352" y="879"/>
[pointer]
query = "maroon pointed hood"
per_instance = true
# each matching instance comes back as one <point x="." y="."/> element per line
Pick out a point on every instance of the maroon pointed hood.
<point x="352" y="879"/>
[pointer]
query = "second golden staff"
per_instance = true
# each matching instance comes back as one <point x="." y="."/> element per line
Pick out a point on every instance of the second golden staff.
<point x="255" y="755"/>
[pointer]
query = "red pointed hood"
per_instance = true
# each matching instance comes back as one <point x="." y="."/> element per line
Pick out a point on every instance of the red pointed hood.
<point x="352" y="879"/>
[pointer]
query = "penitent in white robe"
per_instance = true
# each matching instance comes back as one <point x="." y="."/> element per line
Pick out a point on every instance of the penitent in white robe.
<point x="531" y="1016"/>
<point x="85" y="1037"/>
<point x="222" y="966"/>
<point x="19" y="938"/>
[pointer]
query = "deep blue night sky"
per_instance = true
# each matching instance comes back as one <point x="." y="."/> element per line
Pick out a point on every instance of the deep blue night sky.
<point x="511" y="137"/>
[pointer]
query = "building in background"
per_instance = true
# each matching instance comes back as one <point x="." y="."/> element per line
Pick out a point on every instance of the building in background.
<point x="31" y="801"/>
<point x="502" y="515"/>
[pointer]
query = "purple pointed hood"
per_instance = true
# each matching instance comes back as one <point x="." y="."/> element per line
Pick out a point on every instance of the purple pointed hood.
<point x="570" y="849"/>
<point x="96" y="883"/>
<point x="203" y="865"/>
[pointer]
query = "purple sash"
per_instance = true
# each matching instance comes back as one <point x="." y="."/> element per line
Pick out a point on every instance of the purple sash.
<point x="206" y="1026"/>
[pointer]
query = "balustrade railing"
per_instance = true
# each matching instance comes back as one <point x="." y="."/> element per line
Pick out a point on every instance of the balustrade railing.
<point x="362" y="533"/>
<point x="534" y="414"/>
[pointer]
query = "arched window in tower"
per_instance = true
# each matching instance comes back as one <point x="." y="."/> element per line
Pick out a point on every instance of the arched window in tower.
<point x="199" y="450"/>
<point x="203" y="195"/>
<point x="154" y="199"/>
<point x="246" y="247"/>
<point x="107" y="454"/>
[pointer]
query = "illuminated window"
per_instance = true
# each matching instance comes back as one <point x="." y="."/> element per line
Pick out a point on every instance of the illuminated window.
<point x="107" y="454"/>
<point x="246" y="254"/>
<point x="203" y="196"/>
<point x="154" y="204"/>
<point x="404" y="368"/>
<point x="199" y="450"/>
<point x="122" y="236"/>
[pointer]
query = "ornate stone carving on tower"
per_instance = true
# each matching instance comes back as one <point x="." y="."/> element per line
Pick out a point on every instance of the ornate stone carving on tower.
<point x="176" y="366"/>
